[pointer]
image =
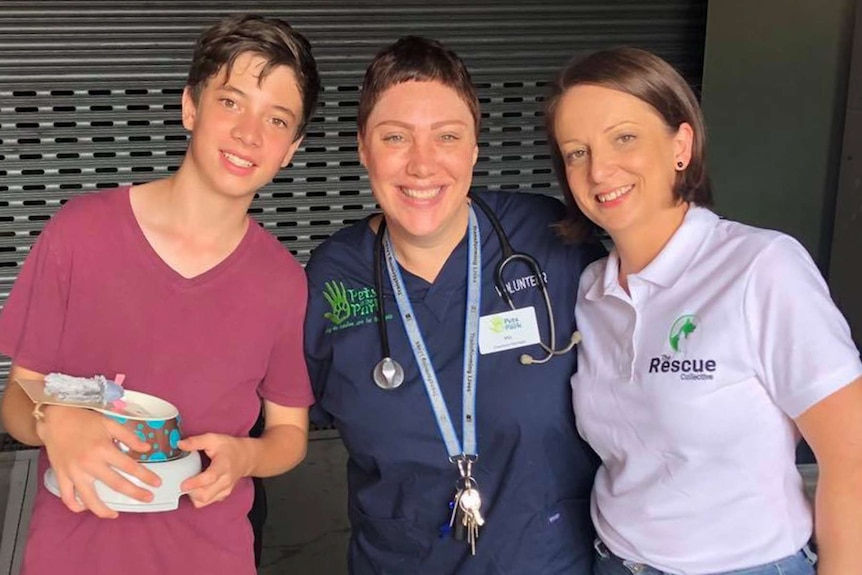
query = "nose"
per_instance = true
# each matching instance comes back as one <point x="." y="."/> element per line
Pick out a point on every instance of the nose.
<point x="602" y="165"/>
<point x="247" y="130"/>
<point x="422" y="159"/>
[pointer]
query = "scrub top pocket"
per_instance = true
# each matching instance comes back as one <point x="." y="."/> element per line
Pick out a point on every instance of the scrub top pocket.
<point x="384" y="546"/>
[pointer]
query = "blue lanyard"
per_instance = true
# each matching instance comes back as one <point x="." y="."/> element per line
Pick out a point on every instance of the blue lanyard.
<point x="471" y="344"/>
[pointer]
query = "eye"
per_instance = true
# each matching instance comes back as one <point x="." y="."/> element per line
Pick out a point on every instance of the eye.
<point x="626" y="138"/>
<point x="279" y="123"/>
<point x="228" y="103"/>
<point x="576" y="155"/>
<point x="393" y="138"/>
<point x="450" y="137"/>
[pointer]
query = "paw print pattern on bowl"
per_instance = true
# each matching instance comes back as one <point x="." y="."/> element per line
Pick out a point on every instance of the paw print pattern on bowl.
<point x="155" y="422"/>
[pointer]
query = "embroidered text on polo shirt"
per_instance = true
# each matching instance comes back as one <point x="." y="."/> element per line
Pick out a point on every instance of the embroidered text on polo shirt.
<point x="679" y="336"/>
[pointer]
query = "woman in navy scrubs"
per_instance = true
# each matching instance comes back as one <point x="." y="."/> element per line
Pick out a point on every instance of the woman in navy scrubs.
<point x="471" y="419"/>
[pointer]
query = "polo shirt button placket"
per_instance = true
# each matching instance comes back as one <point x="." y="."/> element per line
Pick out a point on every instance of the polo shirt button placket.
<point x="626" y="366"/>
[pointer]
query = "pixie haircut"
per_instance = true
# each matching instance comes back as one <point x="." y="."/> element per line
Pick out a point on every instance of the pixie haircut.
<point x="415" y="59"/>
<point x="653" y="81"/>
<point x="220" y="45"/>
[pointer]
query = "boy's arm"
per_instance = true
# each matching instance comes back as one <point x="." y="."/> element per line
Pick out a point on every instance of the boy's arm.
<point x="281" y="447"/>
<point x="284" y="442"/>
<point x="78" y="458"/>
<point x="16" y="408"/>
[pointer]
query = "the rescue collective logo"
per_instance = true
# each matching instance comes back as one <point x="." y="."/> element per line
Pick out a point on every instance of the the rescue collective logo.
<point x="349" y="307"/>
<point x="683" y="333"/>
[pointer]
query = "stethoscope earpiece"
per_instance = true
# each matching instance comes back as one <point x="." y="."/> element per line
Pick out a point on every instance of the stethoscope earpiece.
<point x="527" y="359"/>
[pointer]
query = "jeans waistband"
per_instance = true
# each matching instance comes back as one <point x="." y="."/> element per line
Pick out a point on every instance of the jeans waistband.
<point x="637" y="568"/>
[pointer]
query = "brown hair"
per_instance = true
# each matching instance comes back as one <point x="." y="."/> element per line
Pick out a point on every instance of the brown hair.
<point x="653" y="81"/>
<point x="415" y="59"/>
<point x="272" y="38"/>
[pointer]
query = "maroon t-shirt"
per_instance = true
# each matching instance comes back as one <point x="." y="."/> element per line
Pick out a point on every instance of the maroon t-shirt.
<point x="92" y="298"/>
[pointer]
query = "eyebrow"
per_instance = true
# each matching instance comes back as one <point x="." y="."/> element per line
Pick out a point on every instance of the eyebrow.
<point x="237" y="91"/>
<point x="605" y="131"/>
<point x="618" y="124"/>
<point x="408" y="126"/>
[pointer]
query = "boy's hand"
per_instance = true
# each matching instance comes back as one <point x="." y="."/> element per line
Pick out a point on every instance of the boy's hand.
<point x="230" y="461"/>
<point x="81" y="450"/>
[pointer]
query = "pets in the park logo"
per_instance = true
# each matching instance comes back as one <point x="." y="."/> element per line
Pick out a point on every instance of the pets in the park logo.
<point x="349" y="307"/>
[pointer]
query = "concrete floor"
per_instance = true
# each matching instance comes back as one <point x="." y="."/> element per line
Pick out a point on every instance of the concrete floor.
<point x="306" y="532"/>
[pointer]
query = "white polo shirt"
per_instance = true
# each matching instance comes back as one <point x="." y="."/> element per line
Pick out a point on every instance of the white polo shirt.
<point x="686" y="389"/>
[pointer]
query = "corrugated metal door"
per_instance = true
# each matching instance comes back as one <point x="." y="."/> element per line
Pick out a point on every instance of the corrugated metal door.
<point x="90" y="93"/>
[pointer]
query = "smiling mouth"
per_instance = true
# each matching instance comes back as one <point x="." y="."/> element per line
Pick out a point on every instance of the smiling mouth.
<point x="613" y="195"/>
<point x="422" y="194"/>
<point x="237" y="161"/>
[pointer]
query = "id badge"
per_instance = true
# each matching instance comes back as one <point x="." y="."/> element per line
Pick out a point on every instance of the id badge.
<point x="508" y="330"/>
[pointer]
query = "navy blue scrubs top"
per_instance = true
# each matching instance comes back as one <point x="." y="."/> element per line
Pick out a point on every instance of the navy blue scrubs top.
<point x="534" y="471"/>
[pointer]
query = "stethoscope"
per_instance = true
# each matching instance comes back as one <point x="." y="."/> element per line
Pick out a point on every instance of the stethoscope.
<point x="388" y="373"/>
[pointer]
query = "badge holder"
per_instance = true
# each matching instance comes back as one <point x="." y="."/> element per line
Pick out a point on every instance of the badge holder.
<point x="153" y="420"/>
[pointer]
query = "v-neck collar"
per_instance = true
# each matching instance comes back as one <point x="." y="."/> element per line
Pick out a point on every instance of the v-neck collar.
<point x="159" y="266"/>
<point x="451" y="282"/>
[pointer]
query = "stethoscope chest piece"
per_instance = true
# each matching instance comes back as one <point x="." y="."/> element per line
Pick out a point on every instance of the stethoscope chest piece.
<point x="388" y="374"/>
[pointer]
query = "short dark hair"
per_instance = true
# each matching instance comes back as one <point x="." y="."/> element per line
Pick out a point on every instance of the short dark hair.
<point x="415" y="59"/>
<point x="272" y="38"/>
<point x="652" y="80"/>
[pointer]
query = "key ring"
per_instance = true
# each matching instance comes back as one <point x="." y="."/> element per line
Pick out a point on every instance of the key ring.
<point x="465" y="483"/>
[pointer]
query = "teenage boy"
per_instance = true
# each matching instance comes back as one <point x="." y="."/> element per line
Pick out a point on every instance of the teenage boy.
<point x="173" y="285"/>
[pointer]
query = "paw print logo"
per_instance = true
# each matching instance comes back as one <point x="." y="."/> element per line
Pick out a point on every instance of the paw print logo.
<point x="335" y="295"/>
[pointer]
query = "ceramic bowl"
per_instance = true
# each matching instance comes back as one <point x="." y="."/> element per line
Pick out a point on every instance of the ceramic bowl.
<point x="154" y="421"/>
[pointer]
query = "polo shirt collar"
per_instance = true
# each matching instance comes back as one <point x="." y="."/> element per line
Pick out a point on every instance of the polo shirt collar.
<point x="670" y="263"/>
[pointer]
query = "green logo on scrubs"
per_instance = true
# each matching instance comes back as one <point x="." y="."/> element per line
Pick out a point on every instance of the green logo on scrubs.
<point x="683" y="327"/>
<point x="335" y="295"/>
<point x="348" y="306"/>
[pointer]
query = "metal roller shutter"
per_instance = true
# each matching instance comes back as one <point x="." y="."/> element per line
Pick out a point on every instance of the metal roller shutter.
<point x="90" y="92"/>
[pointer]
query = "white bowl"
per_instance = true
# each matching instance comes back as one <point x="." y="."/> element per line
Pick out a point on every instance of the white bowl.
<point x="165" y="497"/>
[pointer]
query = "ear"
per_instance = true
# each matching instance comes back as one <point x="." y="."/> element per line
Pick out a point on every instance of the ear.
<point x="683" y="141"/>
<point x="291" y="151"/>
<point x="360" y="146"/>
<point x="475" y="153"/>
<point x="189" y="110"/>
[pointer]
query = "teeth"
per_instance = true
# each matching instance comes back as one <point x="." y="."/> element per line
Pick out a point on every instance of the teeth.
<point x="237" y="161"/>
<point x="421" y="194"/>
<point x="610" y="196"/>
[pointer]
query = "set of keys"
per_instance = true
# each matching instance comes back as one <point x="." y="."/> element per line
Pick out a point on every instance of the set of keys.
<point x="466" y="508"/>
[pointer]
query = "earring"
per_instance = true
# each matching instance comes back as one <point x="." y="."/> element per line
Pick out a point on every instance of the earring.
<point x="679" y="165"/>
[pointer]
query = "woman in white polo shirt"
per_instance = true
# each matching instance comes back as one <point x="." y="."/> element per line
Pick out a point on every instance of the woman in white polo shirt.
<point x="708" y="347"/>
